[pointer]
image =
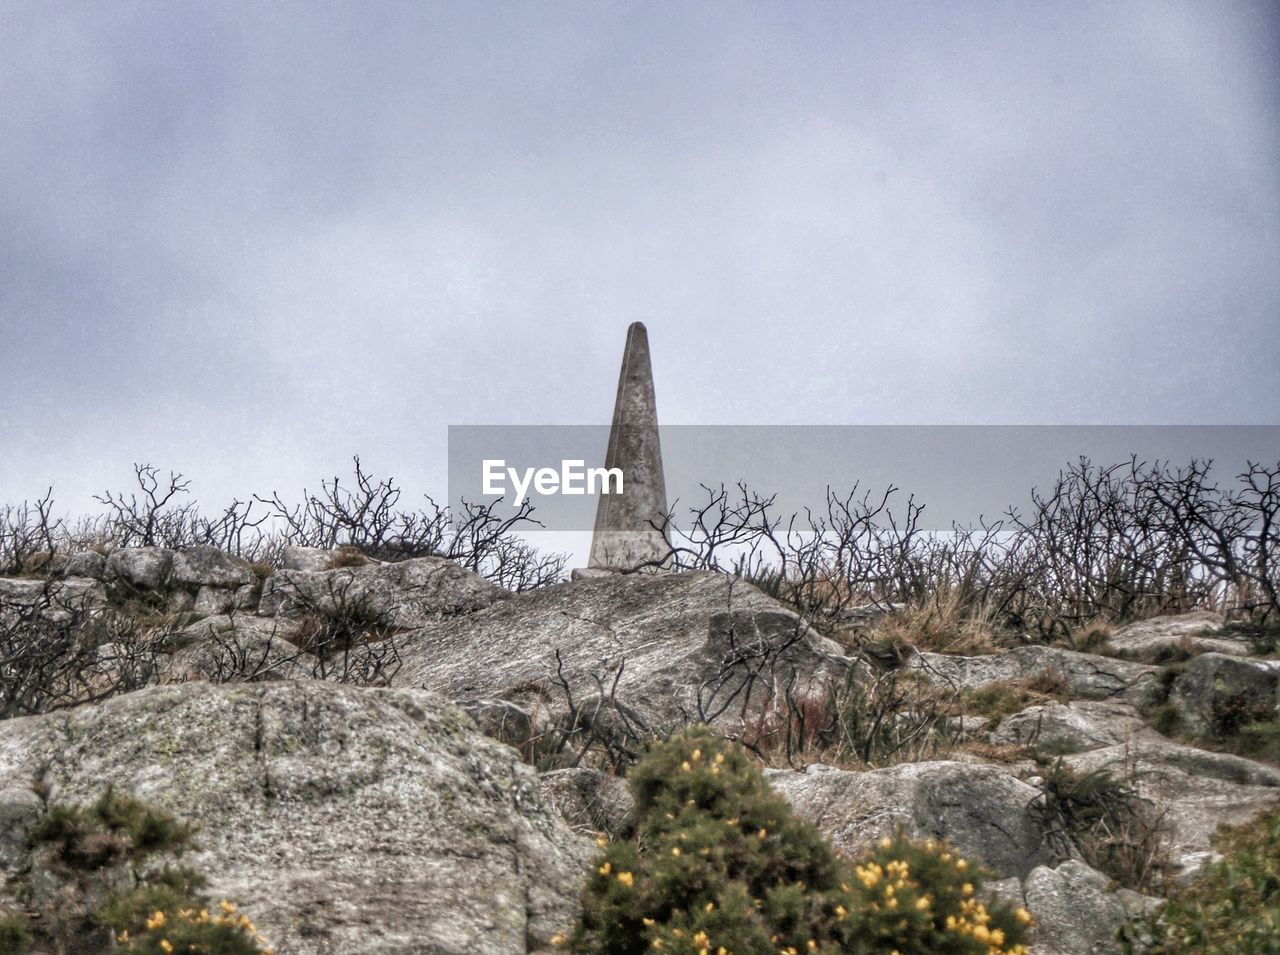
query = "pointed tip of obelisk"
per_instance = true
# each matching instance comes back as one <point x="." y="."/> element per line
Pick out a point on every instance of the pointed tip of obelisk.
<point x="637" y="328"/>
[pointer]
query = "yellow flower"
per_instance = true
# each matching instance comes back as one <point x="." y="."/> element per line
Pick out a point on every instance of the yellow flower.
<point x="166" y="945"/>
<point x="675" y="851"/>
<point x="606" y="868"/>
<point x="156" y="921"/>
<point x="602" y="842"/>
<point x="227" y="907"/>
<point x="626" y="878"/>
<point x="558" y="939"/>
<point x="720" y="758"/>
<point x="1023" y="916"/>
<point x="710" y="907"/>
<point x="686" y="767"/>
<point x="697" y="755"/>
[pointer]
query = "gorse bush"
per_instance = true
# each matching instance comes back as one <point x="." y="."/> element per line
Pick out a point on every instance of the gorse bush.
<point x="1230" y="908"/>
<point x="118" y="888"/>
<point x="715" y="864"/>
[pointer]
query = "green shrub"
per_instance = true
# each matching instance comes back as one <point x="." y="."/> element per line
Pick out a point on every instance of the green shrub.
<point x="1231" y="908"/>
<point x="14" y="937"/>
<point x="1260" y="740"/>
<point x="716" y="863"/>
<point x="106" y="858"/>
<point x="114" y="828"/>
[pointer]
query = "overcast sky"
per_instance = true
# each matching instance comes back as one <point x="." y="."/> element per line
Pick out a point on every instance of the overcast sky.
<point x="246" y="241"/>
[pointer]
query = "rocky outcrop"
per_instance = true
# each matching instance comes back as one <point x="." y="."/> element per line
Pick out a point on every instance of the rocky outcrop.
<point x="678" y="645"/>
<point x="407" y="594"/>
<point x="1216" y="695"/>
<point x="344" y="820"/>
<point x="982" y="810"/>
<point x="53" y="600"/>
<point x="1084" y="675"/>
<point x="1194" y="791"/>
<point x="1077" y="911"/>
<point x="1200" y="631"/>
<point x="1072" y="727"/>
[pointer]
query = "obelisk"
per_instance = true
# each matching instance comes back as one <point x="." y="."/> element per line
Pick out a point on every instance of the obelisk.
<point x="628" y="532"/>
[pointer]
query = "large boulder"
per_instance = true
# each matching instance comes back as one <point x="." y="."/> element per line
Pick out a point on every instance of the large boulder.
<point x="1077" y="910"/>
<point x="1084" y="675"/>
<point x="53" y="600"/>
<point x="81" y="563"/>
<point x="1072" y="727"/>
<point x="343" y="820"/>
<point x="406" y="594"/>
<point x="1216" y="695"/>
<point x="982" y="810"/>
<point x="1199" y="631"/>
<point x="204" y="565"/>
<point x="1195" y="791"/>
<point x="663" y="647"/>
<point x="140" y="568"/>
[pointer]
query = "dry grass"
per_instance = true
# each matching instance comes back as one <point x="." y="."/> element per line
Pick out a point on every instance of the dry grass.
<point x="997" y="700"/>
<point x="944" y="623"/>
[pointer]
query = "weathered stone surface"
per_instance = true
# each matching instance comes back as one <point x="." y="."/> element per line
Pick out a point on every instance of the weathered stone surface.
<point x="1198" y="791"/>
<point x="84" y="563"/>
<point x="1198" y="631"/>
<point x="1217" y="694"/>
<point x="345" y="820"/>
<point x="238" y="655"/>
<point x="588" y="799"/>
<point x="229" y="626"/>
<point x="670" y="634"/>
<point x="20" y="810"/>
<point x="506" y="722"/>
<point x="55" y="600"/>
<point x="982" y="810"/>
<point x="211" y="600"/>
<point x="205" y="565"/>
<point x="306" y="558"/>
<point x="144" y="568"/>
<point x="1086" y="675"/>
<point x="409" y="593"/>
<point x="627" y="529"/>
<point x="1076" y="911"/>
<point x="1087" y="724"/>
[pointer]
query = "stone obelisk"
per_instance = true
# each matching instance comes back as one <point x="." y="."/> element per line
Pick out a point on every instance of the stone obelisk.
<point x="628" y="532"/>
